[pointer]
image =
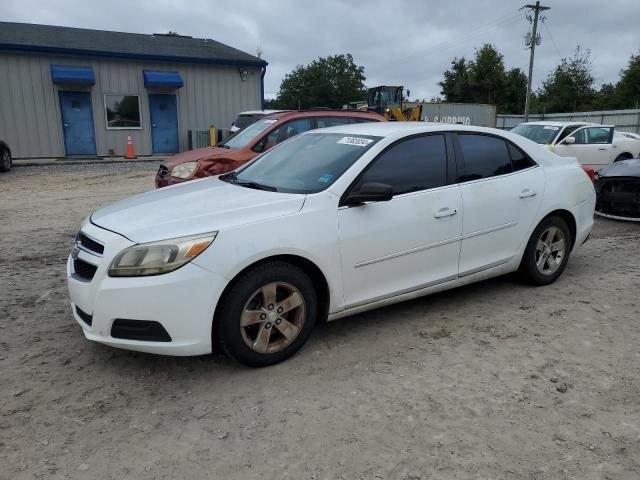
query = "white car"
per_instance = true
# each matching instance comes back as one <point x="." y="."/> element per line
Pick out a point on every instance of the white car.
<point x="593" y="145"/>
<point x="244" y="119"/>
<point x="327" y="224"/>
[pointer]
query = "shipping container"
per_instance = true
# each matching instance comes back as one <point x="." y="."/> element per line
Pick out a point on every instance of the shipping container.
<point x="478" y="114"/>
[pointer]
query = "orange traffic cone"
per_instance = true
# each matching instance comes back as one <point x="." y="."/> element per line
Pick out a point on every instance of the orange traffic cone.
<point x="130" y="153"/>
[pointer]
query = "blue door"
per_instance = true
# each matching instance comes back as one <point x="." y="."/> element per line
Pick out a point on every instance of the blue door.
<point x="77" y="123"/>
<point x="164" y="122"/>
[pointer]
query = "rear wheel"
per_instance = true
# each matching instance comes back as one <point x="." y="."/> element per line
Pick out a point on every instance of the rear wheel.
<point x="267" y="315"/>
<point x="5" y="160"/>
<point x="547" y="252"/>
<point x="623" y="156"/>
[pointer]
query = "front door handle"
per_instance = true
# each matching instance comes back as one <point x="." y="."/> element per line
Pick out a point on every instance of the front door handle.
<point x="65" y="125"/>
<point x="154" y="125"/>
<point x="528" y="193"/>
<point x="445" y="212"/>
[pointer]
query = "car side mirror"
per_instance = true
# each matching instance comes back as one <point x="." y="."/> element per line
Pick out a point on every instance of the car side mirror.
<point x="570" y="140"/>
<point x="370" y="192"/>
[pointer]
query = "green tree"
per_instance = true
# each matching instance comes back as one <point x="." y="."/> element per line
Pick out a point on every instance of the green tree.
<point x="627" y="93"/>
<point x="484" y="80"/>
<point x="326" y="82"/>
<point x="515" y="92"/>
<point x="605" y="98"/>
<point x="455" y="84"/>
<point x="569" y="87"/>
<point x="487" y="76"/>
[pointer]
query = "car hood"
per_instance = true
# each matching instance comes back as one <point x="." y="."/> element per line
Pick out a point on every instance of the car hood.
<point x="623" y="168"/>
<point x="205" y="153"/>
<point x="192" y="208"/>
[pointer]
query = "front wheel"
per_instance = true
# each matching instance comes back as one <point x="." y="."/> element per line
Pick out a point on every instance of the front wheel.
<point x="267" y="314"/>
<point x="547" y="252"/>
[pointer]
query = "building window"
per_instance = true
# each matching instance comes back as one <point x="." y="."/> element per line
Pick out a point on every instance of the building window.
<point x="122" y="111"/>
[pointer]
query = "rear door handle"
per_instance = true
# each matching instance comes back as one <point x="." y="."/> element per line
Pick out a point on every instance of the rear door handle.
<point x="603" y="149"/>
<point x="445" y="212"/>
<point x="527" y="193"/>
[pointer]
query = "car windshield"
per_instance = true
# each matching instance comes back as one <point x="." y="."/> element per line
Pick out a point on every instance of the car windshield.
<point x="538" y="133"/>
<point x="307" y="163"/>
<point x="244" y="121"/>
<point x="244" y="137"/>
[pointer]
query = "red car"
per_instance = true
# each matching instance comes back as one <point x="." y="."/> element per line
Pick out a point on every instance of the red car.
<point x="249" y="142"/>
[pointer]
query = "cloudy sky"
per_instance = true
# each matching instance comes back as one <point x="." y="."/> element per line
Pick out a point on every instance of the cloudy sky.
<point x="408" y="42"/>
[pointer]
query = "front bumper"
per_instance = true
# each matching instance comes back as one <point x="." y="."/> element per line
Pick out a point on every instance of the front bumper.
<point x="182" y="301"/>
<point x="618" y="198"/>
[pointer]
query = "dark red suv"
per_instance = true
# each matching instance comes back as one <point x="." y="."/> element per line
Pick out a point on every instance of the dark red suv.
<point x="249" y="142"/>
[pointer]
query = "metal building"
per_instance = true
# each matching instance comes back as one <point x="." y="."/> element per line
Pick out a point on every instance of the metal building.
<point x="69" y="91"/>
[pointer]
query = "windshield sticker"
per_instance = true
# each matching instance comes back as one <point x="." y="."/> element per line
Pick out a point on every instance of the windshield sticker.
<point x="269" y="121"/>
<point x="551" y="128"/>
<point x="325" y="178"/>
<point x="357" y="141"/>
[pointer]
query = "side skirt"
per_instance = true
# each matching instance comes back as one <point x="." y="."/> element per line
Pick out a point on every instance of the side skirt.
<point x="446" y="284"/>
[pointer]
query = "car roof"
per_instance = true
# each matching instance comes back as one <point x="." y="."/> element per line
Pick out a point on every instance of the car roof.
<point x="261" y="112"/>
<point x="322" y="112"/>
<point x="555" y="124"/>
<point x="386" y="129"/>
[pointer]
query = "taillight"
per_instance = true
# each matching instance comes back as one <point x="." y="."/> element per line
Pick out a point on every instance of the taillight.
<point x="591" y="173"/>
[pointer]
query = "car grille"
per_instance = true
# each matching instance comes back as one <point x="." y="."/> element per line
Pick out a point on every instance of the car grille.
<point x="84" y="270"/>
<point x="618" y="196"/>
<point x="89" y="244"/>
<point x="162" y="171"/>
<point x="84" y="316"/>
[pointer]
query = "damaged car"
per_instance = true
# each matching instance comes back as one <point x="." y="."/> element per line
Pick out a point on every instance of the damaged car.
<point x="618" y="191"/>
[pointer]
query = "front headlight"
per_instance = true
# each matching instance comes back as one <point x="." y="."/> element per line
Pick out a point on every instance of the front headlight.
<point x="160" y="257"/>
<point x="184" y="170"/>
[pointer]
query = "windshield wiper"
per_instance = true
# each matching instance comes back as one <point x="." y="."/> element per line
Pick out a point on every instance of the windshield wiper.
<point x="256" y="186"/>
<point x="232" y="178"/>
<point x="222" y="145"/>
<point x="228" y="177"/>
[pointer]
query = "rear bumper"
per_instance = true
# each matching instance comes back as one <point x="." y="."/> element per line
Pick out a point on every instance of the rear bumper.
<point x="583" y="214"/>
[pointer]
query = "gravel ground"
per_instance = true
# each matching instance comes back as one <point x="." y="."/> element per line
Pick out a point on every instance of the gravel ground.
<point x="495" y="380"/>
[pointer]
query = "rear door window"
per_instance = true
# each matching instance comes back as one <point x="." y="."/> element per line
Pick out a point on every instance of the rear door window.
<point x="483" y="156"/>
<point x="519" y="161"/>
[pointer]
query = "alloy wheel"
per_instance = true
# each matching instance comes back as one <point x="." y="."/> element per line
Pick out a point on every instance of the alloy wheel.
<point x="550" y="250"/>
<point x="273" y="317"/>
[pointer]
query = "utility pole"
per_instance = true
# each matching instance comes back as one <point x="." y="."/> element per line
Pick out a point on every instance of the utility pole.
<point x="537" y="8"/>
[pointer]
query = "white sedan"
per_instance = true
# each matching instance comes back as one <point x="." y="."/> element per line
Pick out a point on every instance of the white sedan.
<point x="330" y="223"/>
<point x="593" y="145"/>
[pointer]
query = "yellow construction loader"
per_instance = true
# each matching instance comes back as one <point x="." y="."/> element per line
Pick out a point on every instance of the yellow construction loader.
<point x="388" y="101"/>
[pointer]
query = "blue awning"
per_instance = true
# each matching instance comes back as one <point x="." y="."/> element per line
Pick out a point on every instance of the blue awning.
<point x="162" y="79"/>
<point x="75" y="75"/>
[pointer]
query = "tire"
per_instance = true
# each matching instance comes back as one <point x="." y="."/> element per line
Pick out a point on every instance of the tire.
<point x="5" y="160"/>
<point x="623" y="156"/>
<point x="536" y="270"/>
<point x="284" y="326"/>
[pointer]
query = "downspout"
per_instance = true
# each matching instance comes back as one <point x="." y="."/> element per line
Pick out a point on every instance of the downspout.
<point x="264" y="71"/>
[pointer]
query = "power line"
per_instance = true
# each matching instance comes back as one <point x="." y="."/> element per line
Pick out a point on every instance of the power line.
<point x="553" y="42"/>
